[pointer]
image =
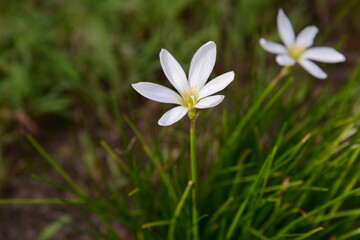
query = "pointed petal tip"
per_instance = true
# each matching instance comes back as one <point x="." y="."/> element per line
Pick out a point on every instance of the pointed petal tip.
<point x="134" y="85"/>
<point x="314" y="27"/>
<point x="210" y="43"/>
<point x="322" y="76"/>
<point x="161" y="53"/>
<point x="137" y="86"/>
<point x="263" y="42"/>
<point x="163" y="50"/>
<point x="232" y="75"/>
<point x="162" y="123"/>
<point x="342" y="58"/>
<point x="282" y="15"/>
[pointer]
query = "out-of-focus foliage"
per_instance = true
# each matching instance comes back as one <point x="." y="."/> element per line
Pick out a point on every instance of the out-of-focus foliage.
<point x="292" y="162"/>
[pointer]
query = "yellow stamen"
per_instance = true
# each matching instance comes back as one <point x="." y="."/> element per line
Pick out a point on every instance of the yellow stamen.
<point x="189" y="97"/>
<point x="296" y="51"/>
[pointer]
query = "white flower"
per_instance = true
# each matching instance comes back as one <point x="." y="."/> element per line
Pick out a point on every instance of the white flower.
<point x="192" y="93"/>
<point x="296" y="50"/>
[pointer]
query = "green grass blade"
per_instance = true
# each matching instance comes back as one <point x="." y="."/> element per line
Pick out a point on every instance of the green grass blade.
<point x="349" y="234"/>
<point x="164" y="176"/>
<point x="54" y="164"/>
<point x="259" y="182"/>
<point x="254" y="107"/>
<point x="308" y="234"/>
<point x="53" y="228"/>
<point x="156" y="224"/>
<point x="117" y="158"/>
<point x="178" y="209"/>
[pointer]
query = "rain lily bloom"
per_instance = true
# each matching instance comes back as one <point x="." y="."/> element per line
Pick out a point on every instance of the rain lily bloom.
<point x="296" y="50"/>
<point x="192" y="93"/>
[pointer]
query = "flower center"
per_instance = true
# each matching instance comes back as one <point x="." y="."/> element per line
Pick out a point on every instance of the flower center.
<point x="189" y="97"/>
<point x="296" y="51"/>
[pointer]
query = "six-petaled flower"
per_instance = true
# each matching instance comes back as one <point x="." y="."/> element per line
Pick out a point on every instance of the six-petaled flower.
<point x="193" y="92"/>
<point x="296" y="49"/>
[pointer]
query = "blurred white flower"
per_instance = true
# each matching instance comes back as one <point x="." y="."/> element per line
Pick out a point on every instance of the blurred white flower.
<point x="192" y="93"/>
<point x="296" y="50"/>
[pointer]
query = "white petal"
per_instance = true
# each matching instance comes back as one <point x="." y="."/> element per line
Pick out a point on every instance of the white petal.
<point x="285" y="29"/>
<point x="323" y="54"/>
<point x="202" y="65"/>
<point x="157" y="92"/>
<point x="209" y="102"/>
<point x="285" y="60"/>
<point x="217" y="84"/>
<point x="172" y="116"/>
<point x="313" y="69"/>
<point x="272" y="47"/>
<point x="173" y="71"/>
<point x="306" y="37"/>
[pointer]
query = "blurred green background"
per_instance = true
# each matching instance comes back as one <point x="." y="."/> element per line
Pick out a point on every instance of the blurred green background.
<point x="66" y="66"/>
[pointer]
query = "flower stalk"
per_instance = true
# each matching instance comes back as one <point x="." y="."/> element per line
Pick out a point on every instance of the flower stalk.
<point x="194" y="178"/>
<point x="283" y="73"/>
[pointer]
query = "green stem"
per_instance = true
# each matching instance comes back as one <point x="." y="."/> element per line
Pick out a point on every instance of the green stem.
<point x="284" y="71"/>
<point x="195" y="228"/>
